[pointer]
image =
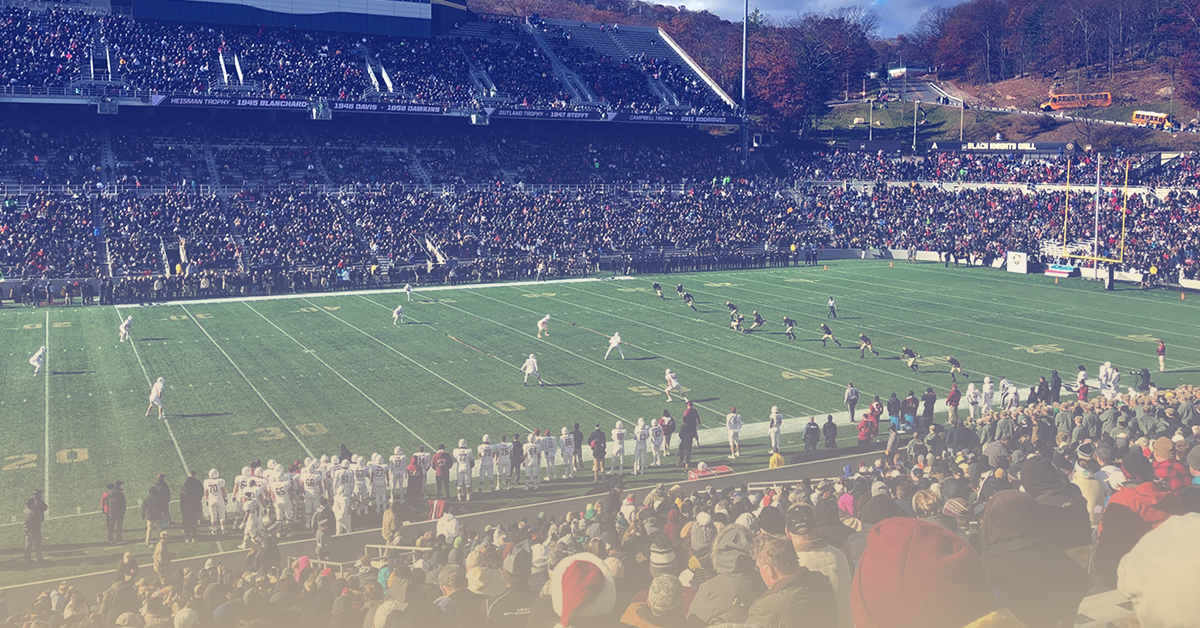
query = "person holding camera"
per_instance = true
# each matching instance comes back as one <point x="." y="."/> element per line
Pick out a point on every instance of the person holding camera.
<point x="35" y="514"/>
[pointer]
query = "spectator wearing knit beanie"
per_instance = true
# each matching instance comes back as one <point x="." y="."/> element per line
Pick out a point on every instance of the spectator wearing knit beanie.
<point x="727" y="596"/>
<point x="663" y="607"/>
<point x="703" y="533"/>
<point x="583" y="593"/>
<point x="953" y="581"/>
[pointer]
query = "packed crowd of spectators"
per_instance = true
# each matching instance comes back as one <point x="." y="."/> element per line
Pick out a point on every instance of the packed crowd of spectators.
<point x="48" y="235"/>
<point x="49" y="150"/>
<point x="994" y="512"/>
<point x="294" y="228"/>
<point x="519" y="70"/>
<point x="427" y="71"/>
<point x="44" y="49"/>
<point x="164" y="58"/>
<point x="618" y="83"/>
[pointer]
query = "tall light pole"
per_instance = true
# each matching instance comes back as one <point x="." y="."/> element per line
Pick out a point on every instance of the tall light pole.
<point x="871" y="122"/>
<point x="745" y="105"/>
<point x="962" y="115"/>
<point x="916" y="104"/>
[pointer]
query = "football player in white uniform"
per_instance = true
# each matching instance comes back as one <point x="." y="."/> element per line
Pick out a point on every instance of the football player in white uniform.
<point x="504" y="451"/>
<point x="567" y="442"/>
<point x="124" y="329"/>
<point x="532" y="459"/>
<point x="733" y="425"/>
<point x="530" y="367"/>
<point x="615" y="343"/>
<point x="774" y="427"/>
<point x="656" y="443"/>
<point x="38" y="360"/>
<point x="281" y="494"/>
<point x="397" y="463"/>
<point x="486" y="454"/>
<point x="215" y="495"/>
<point x="241" y="484"/>
<point x="156" y="392"/>
<point x="550" y="454"/>
<point x="343" y="480"/>
<point x="313" y="488"/>
<point x="379" y="480"/>
<point x="673" y="384"/>
<point x="544" y="326"/>
<point x="618" y="448"/>
<point x="425" y="461"/>
<point x="361" y="496"/>
<point x="641" y="437"/>
<point x="464" y="461"/>
<point x="408" y="290"/>
<point x="398" y="315"/>
<point x="252" y="517"/>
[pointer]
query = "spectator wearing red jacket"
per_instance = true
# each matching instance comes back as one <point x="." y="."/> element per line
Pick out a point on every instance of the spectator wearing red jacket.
<point x="441" y="464"/>
<point x="1140" y="506"/>
<point x="952" y="401"/>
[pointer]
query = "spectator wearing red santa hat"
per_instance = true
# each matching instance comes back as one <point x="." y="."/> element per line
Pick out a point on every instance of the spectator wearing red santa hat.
<point x="583" y="594"/>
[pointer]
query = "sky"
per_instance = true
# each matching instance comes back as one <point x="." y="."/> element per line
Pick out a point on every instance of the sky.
<point x="895" y="16"/>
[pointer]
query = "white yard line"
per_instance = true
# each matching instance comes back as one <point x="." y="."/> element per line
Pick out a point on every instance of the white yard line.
<point x="343" y="377"/>
<point x="250" y="383"/>
<point x="424" y="368"/>
<point x="165" y="421"/>
<point x="318" y="295"/>
<point x="602" y="409"/>
<point x="46" y="377"/>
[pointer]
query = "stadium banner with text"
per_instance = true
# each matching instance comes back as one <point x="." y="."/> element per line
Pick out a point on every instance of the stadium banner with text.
<point x="1001" y="147"/>
<point x="347" y="106"/>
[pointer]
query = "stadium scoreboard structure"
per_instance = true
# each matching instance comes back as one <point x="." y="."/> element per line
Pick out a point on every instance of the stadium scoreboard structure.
<point x="407" y="18"/>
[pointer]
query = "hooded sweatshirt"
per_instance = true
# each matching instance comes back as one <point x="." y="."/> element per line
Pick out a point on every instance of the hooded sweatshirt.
<point x="727" y="596"/>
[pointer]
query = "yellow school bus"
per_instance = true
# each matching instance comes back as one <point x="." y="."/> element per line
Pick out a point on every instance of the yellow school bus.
<point x="1154" y="120"/>
<point x="1076" y="101"/>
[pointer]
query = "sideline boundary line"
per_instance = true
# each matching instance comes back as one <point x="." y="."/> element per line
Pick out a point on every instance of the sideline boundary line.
<point x="165" y="421"/>
<point x="46" y="376"/>
<point x="342" y="377"/>
<point x="252" y="386"/>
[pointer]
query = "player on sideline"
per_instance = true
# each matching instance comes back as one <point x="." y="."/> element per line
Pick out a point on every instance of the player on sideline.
<point x="124" y="328"/>
<point x="658" y="291"/>
<point x="827" y="335"/>
<point x="156" y="392"/>
<point x="486" y="454"/>
<point x="281" y="493"/>
<point x="464" y="461"/>
<point x="531" y="368"/>
<point x="566" y="442"/>
<point x="398" y="314"/>
<point x="397" y="463"/>
<point x="911" y="356"/>
<point x="615" y="343"/>
<point x="774" y="427"/>
<point x="618" y="450"/>
<point x="544" y="326"/>
<point x="733" y="425"/>
<point x="1161" y="350"/>
<point x="864" y="345"/>
<point x="690" y="301"/>
<point x="533" y="472"/>
<point x="673" y="384"/>
<point x="39" y="360"/>
<point x="955" y="367"/>
<point x="313" y="488"/>
<point x="789" y="328"/>
<point x="504" y="451"/>
<point x="758" y="321"/>
<point x="408" y="291"/>
<point x="656" y="442"/>
<point x="832" y="309"/>
<point x="379" y="480"/>
<point x="641" y="437"/>
<point x="550" y="454"/>
<point x="214" y="490"/>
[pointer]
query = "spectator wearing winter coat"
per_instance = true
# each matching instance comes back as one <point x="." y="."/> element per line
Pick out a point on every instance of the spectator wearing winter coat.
<point x="795" y="596"/>
<point x="1064" y="510"/>
<point x="663" y="607"/>
<point x="1163" y="594"/>
<point x="1139" y="507"/>
<point x="1039" y="583"/>
<point x="728" y="595"/>
<point x="815" y="554"/>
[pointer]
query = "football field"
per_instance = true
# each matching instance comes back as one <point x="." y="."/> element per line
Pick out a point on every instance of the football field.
<point x="288" y="377"/>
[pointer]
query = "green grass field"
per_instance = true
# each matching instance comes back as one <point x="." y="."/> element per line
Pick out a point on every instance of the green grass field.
<point x="286" y="378"/>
